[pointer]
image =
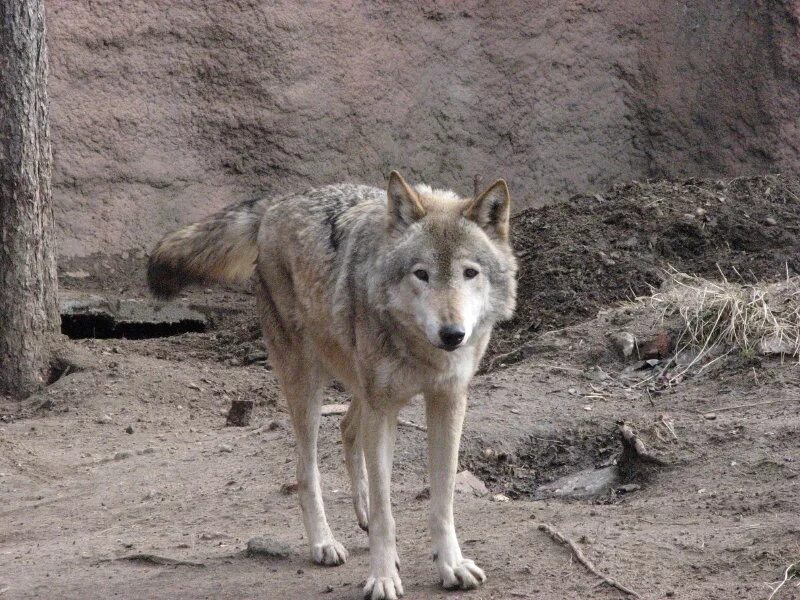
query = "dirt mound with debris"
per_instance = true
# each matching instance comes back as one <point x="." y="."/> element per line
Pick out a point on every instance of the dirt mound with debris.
<point x="594" y="250"/>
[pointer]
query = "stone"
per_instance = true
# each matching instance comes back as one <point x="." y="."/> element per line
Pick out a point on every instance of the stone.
<point x="264" y="546"/>
<point x="239" y="413"/>
<point x="624" y="342"/>
<point x="467" y="483"/>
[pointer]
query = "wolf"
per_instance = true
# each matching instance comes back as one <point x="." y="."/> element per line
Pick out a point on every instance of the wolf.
<point x="394" y="292"/>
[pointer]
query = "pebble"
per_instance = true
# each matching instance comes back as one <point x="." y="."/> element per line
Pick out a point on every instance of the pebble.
<point x="710" y="416"/>
<point x="103" y="419"/>
<point x="262" y="546"/>
<point x="122" y="455"/>
<point x="500" y="498"/>
<point x="625" y="342"/>
<point x="467" y="483"/>
<point x="129" y="429"/>
<point x="225" y="448"/>
<point x="629" y="487"/>
<point x="770" y="221"/>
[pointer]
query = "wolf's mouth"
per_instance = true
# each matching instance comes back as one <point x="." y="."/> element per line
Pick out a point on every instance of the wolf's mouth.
<point x="448" y="348"/>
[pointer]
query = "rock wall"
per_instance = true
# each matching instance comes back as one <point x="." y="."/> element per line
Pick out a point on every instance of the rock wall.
<point x="163" y="110"/>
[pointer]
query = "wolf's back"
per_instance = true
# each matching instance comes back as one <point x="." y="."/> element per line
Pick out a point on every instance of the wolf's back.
<point x="220" y="248"/>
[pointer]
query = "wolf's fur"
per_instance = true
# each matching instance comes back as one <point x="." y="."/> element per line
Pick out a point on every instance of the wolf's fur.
<point x="377" y="289"/>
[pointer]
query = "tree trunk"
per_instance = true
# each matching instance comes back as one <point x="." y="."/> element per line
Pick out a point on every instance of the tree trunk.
<point x="28" y="286"/>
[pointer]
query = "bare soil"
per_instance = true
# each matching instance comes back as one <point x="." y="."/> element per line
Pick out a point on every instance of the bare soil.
<point x="130" y="455"/>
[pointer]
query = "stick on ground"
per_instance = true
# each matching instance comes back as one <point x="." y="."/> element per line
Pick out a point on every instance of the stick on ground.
<point x="562" y="539"/>
<point x="154" y="559"/>
<point x="742" y="406"/>
<point x="633" y="444"/>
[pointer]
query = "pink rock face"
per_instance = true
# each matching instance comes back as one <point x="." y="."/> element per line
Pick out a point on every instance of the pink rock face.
<point x="163" y="111"/>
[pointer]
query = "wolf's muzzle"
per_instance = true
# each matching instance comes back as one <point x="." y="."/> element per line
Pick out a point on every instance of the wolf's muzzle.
<point x="451" y="336"/>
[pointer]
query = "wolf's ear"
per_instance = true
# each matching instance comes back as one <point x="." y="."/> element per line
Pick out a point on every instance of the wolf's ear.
<point x="492" y="210"/>
<point x="404" y="204"/>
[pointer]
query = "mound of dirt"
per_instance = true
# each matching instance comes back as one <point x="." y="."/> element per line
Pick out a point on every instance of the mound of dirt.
<point x="592" y="251"/>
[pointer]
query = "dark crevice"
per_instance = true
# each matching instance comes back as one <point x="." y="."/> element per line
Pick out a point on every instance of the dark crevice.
<point x="103" y="326"/>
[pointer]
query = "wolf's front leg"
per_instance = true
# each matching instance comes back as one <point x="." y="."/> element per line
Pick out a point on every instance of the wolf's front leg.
<point x="445" y="417"/>
<point x="379" y="429"/>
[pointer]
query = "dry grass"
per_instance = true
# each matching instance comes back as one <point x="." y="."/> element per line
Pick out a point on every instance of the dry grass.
<point x="723" y="316"/>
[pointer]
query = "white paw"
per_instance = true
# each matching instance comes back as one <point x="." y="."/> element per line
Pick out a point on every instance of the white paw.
<point x="463" y="574"/>
<point x="361" y="504"/>
<point x="383" y="588"/>
<point x="330" y="553"/>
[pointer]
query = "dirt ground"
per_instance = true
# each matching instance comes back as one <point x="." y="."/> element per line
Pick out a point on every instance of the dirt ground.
<point x="130" y="453"/>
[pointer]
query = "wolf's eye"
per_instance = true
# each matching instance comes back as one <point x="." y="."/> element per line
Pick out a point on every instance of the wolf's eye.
<point x="421" y="274"/>
<point x="470" y="273"/>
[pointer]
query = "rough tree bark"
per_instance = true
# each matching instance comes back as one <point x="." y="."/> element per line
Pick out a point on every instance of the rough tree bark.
<point x="28" y="286"/>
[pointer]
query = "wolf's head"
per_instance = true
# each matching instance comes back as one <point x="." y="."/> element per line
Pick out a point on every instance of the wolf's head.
<point x="450" y="272"/>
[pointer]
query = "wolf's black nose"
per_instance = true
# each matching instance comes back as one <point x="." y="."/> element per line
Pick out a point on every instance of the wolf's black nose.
<point x="451" y="336"/>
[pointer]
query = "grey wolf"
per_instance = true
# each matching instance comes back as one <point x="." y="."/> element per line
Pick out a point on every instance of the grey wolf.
<point x="394" y="293"/>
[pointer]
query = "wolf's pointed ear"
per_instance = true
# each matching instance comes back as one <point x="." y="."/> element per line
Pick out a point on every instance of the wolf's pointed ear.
<point x="492" y="210"/>
<point x="404" y="204"/>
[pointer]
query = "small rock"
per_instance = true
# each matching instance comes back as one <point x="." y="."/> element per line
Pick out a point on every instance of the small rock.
<point x="103" y="419"/>
<point x="257" y="356"/>
<point x="194" y="386"/>
<point x="658" y="346"/>
<point x="206" y="536"/>
<point x="129" y="429"/>
<point x="606" y="260"/>
<point x="500" y="498"/>
<point x="710" y="416"/>
<point x="288" y="489"/>
<point x="334" y="409"/>
<point x="624" y="342"/>
<point x="423" y="494"/>
<point x="225" y="448"/>
<point x="122" y="455"/>
<point x="262" y="546"/>
<point x="489" y="453"/>
<point x="596" y="373"/>
<point x="239" y="413"/>
<point x="628" y="488"/>
<point x="467" y="483"/>
<point x="700" y="211"/>
<point x="328" y="589"/>
<point x="770" y="221"/>
<point x="77" y="274"/>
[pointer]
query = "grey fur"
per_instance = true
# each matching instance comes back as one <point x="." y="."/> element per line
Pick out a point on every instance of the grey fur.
<point x="339" y="296"/>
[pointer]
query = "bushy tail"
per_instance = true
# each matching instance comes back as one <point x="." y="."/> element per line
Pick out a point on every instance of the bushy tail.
<point x="221" y="248"/>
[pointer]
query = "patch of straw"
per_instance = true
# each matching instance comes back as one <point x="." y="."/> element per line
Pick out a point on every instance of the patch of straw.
<point x="723" y="316"/>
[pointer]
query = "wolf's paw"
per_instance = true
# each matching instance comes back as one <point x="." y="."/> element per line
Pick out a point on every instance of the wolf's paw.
<point x="330" y="553"/>
<point x="463" y="574"/>
<point x="383" y="588"/>
<point x="361" y="504"/>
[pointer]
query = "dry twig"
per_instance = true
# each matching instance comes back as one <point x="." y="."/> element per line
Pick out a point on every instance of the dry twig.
<point x="562" y="539"/>
<point x="632" y="443"/>
<point x="154" y="559"/>
<point x="741" y="406"/>
<point x="790" y="573"/>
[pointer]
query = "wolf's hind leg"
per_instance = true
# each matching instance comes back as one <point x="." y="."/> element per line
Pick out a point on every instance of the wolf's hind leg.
<point x="354" y="459"/>
<point x="303" y="389"/>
